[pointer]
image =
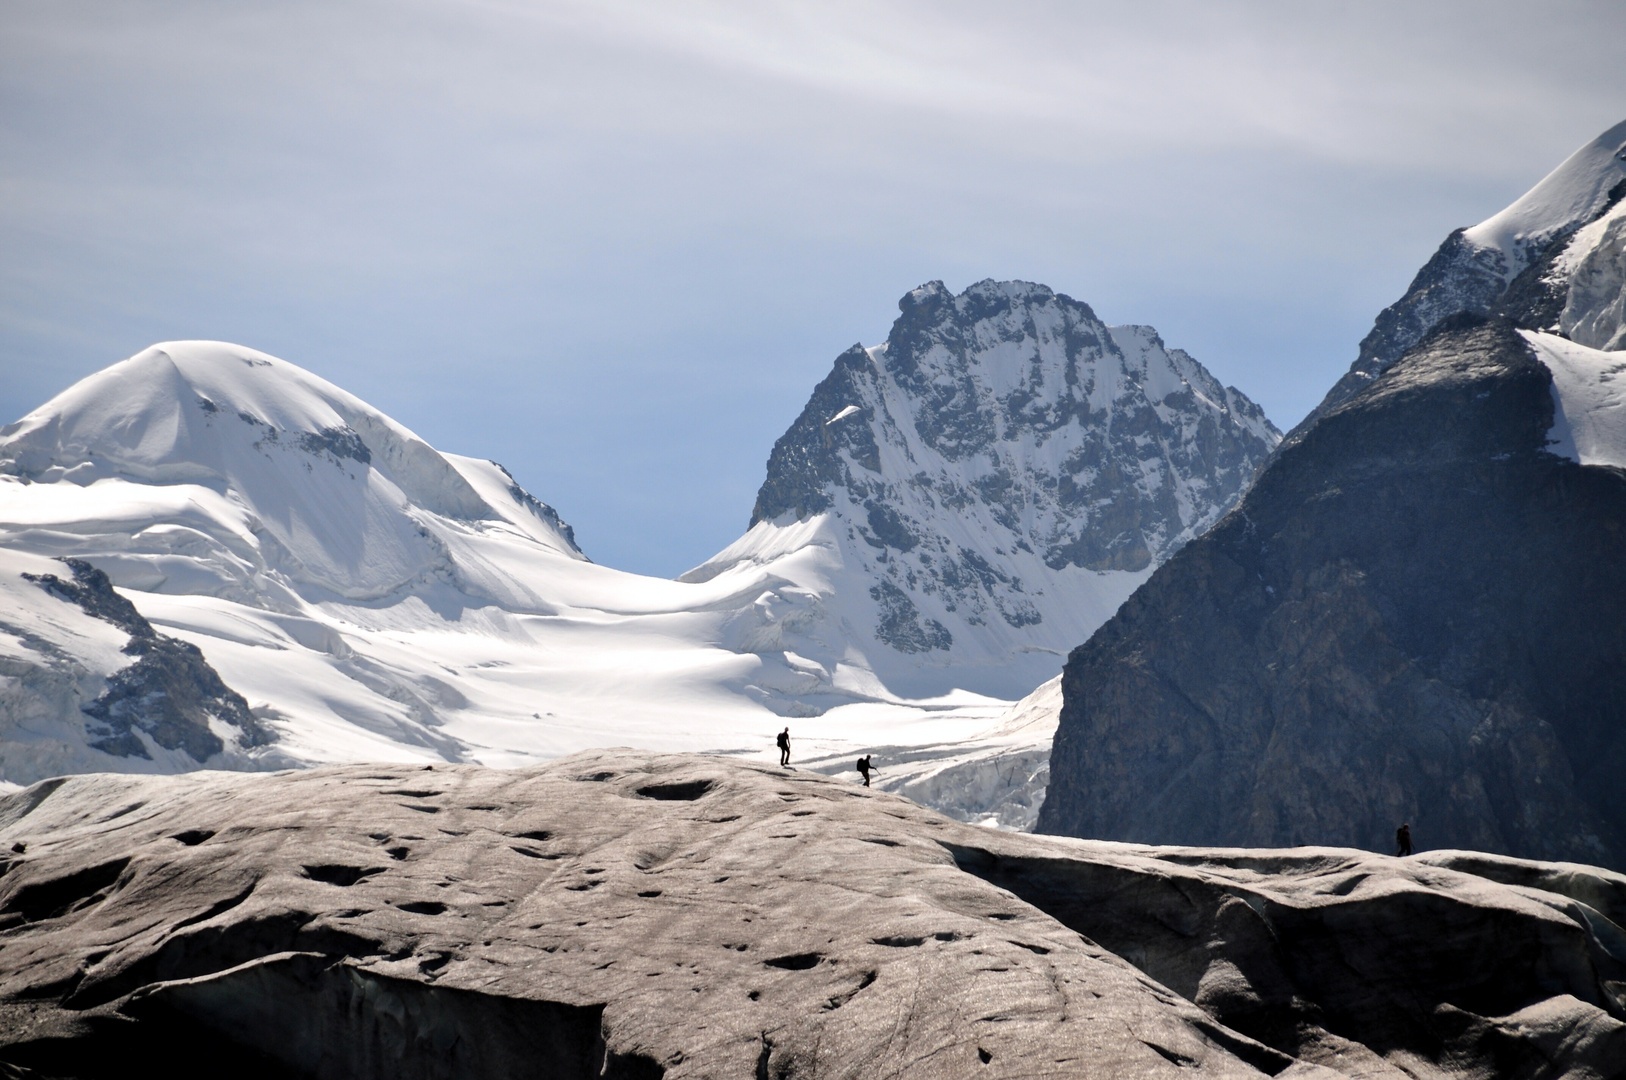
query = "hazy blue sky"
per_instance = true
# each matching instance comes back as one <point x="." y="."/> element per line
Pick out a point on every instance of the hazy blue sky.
<point x="614" y="244"/>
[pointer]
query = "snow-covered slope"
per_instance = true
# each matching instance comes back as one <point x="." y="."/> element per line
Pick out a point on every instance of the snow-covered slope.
<point x="969" y="500"/>
<point x="370" y="597"/>
<point x="209" y="556"/>
<point x="1553" y="260"/>
<point x="992" y="773"/>
<point x="274" y="482"/>
<point x="1589" y="400"/>
<point x="1572" y="193"/>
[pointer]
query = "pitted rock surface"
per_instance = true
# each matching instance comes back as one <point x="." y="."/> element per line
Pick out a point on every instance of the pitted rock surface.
<point x="623" y="914"/>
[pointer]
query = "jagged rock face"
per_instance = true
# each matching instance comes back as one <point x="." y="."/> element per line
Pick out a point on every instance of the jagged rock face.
<point x="1095" y="445"/>
<point x="1555" y="260"/>
<point x="620" y="914"/>
<point x="170" y="693"/>
<point x="1418" y="614"/>
<point x="87" y="683"/>
<point x="997" y="471"/>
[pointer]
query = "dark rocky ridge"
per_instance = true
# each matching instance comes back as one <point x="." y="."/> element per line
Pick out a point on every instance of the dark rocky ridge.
<point x="619" y="914"/>
<point x="170" y="693"/>
<point x="1462" y="278"/>
<point x="1417" y="614"/>
<point x="1459" y="277"/>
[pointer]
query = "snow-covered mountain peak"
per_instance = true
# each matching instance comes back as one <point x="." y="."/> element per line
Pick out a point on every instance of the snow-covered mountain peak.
<point x="1004" y="470"/>
<point x="1010" y="376"/>
<point x="284" y="472"/>
<point x="184" y="411"/>
<point x="1553" y="261"/>
<point x="1569" y="195"/>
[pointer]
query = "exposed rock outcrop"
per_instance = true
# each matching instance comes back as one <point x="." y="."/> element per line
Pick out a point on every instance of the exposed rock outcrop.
<point x="618" y="914"/>
<point x="984" y="488"/>
<point x="1418" y="614"/>
<point x="170" y="693"/>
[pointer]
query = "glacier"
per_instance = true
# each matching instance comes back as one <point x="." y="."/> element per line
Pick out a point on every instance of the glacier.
<point x="368" y="597"/>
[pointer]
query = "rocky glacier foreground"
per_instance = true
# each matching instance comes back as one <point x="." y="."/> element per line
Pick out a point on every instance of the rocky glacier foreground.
<point x="624" y="914"/>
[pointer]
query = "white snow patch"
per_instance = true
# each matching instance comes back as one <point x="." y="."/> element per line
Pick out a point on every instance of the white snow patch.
<point x="981" y="766"/>
<point x="1571" y="193"/>
<point x="1589" y="400"/>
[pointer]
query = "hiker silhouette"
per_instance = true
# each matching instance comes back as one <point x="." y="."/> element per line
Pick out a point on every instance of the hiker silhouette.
<point x="784" y="746"/>
<point x="1403" y="840"/>
<point x="864" y="767"/>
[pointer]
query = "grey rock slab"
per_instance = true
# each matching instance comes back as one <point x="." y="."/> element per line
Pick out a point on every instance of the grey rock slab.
<point x="1417" y="614"/>
<point x="613" y="913"/>
<point x="625" y="914"/>
<point x="1448" y="964"/>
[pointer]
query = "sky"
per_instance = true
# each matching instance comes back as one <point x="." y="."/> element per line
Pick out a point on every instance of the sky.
<point x="614" y="244"/>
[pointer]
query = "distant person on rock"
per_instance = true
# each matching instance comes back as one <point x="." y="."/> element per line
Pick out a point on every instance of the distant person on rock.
<point x="864" y="767"/>
<point x="1403" y="840"/>
<point x="784" y="747"/>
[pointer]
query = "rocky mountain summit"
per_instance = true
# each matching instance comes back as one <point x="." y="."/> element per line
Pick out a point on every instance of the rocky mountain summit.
<point x="1555" y="260"/>
<point x="1418" y="614"/>
<point x="619" y="914"/>
<point x="989" y="484"/>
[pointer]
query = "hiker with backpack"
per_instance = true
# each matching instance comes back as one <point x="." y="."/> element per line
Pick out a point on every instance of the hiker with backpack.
<point x="864" y="766"/>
